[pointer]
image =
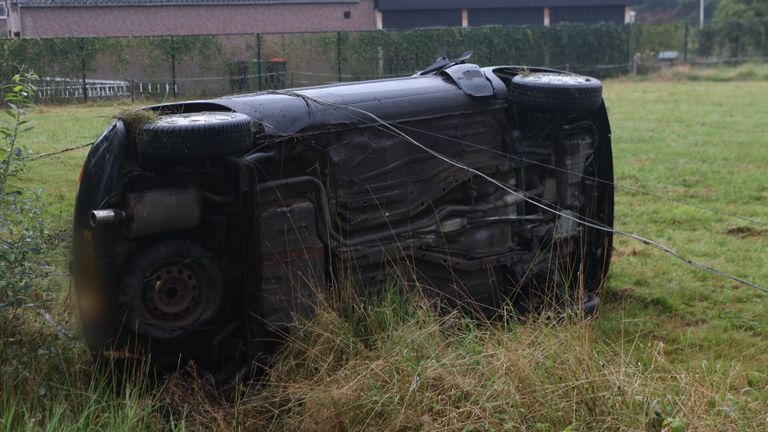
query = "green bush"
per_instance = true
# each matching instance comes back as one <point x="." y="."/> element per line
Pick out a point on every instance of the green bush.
<point x="735" y="38"/>
<point x="574" y="47"/>
<point x="22" y="232"/>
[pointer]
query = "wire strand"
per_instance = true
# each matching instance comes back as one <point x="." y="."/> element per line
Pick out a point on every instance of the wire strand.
<point x="615" y="184"/>
<point x="58" y="152"/>
<point x="384" y="125"/>
<point x="522" y="159"/>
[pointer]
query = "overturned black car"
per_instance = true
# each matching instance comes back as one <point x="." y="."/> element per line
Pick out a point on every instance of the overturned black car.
<point x="205" y="231"/>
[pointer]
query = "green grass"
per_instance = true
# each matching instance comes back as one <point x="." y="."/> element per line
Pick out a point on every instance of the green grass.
<point x="699" y="143"/>
<point x="670" y="339"/>
<point x="57" y="128"/>
<point x="744" y="72"/>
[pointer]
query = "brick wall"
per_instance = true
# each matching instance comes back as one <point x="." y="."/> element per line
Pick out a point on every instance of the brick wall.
<point x="194" y="20"/>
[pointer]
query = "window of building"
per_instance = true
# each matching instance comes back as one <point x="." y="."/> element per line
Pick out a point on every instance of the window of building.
<point x="347" y="14"/>
<point x="3" y="13"/>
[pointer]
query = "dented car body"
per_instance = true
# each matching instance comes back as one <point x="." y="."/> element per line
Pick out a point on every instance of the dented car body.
<point x="207" y="232"/>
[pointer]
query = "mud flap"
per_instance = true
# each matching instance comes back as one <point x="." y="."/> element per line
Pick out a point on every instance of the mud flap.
<point x="93" y="249"/>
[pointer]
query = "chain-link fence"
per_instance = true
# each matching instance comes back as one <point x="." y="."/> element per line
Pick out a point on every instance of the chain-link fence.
<point x="206" y="66"/>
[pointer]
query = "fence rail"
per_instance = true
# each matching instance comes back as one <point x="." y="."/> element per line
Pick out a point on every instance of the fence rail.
<point x="205" y="66"/>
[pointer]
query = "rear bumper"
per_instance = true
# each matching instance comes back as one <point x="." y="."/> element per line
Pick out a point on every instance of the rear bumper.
<point x="93" y="248"/>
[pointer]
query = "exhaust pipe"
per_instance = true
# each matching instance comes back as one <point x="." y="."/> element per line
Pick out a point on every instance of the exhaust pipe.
<point x="107" y="216"/>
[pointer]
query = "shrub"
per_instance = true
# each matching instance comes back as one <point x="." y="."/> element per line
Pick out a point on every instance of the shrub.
<point x="22" y="232"/>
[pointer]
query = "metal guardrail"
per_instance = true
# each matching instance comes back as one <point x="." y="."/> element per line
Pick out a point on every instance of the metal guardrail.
<point x="56" y="88"/>
<point x="86" y="3"/>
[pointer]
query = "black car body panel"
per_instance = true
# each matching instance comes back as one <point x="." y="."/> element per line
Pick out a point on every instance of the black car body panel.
<point x="329" y="195"/>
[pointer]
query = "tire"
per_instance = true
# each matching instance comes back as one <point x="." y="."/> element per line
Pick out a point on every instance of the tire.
<point x="171" y="291"/>
<point x="557" y="92"/>
<point x="179" y="138"/>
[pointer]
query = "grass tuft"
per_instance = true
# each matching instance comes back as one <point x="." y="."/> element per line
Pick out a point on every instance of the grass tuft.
<point x="136" y="119"/>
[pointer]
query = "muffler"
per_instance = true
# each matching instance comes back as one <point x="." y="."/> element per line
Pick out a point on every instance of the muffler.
<point x="153" y="212"/>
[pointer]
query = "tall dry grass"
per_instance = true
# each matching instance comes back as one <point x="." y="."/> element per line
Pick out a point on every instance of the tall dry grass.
<point x="395" y="364"/>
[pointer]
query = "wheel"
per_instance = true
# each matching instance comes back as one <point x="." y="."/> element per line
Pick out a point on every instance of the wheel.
<point x="557" y="92"/>
<point x="178" y="138"/>
<point x="171" y="290"/>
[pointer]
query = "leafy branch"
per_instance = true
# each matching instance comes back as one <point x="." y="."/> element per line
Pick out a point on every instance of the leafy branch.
<point x="18" y="97"/>
<point x="22" y="233"/>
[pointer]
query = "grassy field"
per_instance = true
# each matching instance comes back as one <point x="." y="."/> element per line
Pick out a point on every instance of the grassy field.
<point x="744" y="72"/>
<point x="673" y="348"/>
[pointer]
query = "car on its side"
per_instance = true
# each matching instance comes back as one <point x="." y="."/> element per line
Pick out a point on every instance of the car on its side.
<point x="204" y="230"/>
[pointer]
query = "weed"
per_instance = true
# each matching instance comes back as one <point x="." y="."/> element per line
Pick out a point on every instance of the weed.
<point x="22" y="233"/>
<point x="135" y="119"/>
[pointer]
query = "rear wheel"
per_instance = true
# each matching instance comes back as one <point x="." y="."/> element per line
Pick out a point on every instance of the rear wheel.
<point x="171" y="291"/>
<point x="194" y="137"/>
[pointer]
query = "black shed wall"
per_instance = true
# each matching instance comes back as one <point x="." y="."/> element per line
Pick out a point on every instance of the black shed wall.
<point x="516" y="16"/>
<point x="586" y="14"/>
<point x="398" y="20"/>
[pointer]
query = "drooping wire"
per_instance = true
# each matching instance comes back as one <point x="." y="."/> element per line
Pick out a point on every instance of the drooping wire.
<point x="58" y="152"/>
<point x="615" y="184"/>
<point x="583" y="220"/>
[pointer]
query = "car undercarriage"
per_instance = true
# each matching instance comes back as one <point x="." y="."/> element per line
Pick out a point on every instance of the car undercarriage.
<point x="207" y="231"/>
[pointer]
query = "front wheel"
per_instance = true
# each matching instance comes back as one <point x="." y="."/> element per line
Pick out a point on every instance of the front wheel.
<point x="557" y="92"/>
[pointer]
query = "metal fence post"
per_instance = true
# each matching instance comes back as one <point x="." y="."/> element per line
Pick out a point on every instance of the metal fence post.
<point x="258" y="58"/>
<point x="173" y="65"/>
<point x="379" y="62"/>
<point x="338" y="54"/>
<point x="685" y="44"/>
<point x="631" y="59"/>
<point x="82" y="68"/>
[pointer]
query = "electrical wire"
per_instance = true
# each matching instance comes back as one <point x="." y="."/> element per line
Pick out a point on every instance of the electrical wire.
<point x="522" y="159"/>
<point x="58" y="152"/>
<point x="615" y="184"/>
<point x="385" y="126"/>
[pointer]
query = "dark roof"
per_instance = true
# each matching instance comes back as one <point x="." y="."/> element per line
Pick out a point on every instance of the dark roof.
<point x="284" y="112"/>
<point x="403" y="5"/>
<point x="76" y="3"/>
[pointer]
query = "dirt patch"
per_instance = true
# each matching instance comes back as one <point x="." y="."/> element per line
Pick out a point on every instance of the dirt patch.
<point x="744" y="231"/>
